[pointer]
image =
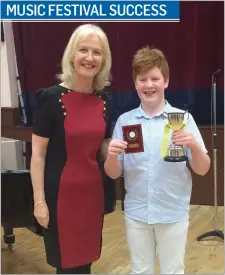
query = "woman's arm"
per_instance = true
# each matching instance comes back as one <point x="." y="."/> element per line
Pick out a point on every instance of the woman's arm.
<point x="39" y="149"/>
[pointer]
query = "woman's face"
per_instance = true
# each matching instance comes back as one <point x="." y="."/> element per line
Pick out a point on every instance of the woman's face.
<point x="88" y="56"/>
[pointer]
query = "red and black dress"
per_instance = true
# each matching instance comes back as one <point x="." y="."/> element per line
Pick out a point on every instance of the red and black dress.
<point x="76" y="125"/>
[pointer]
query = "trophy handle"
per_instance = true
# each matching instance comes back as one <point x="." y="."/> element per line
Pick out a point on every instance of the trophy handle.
<point x="165" y="114"/>
<point x="187" y="113"/>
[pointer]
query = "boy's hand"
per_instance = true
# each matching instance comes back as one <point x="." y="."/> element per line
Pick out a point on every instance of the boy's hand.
<point x="184" y="137"/>
<point x="116" y="147"/>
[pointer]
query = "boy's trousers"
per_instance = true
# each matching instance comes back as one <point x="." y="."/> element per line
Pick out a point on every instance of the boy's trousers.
<point x="168" y="240"/>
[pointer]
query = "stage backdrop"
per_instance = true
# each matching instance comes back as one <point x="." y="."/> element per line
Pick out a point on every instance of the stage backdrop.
<point x="194" y="48"/>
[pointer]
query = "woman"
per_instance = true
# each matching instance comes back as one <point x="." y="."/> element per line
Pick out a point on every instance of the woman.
<point x="70" y="131"/>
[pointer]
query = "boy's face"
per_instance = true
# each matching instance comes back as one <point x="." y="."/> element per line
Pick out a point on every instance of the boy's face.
<point x="150" y="87"/>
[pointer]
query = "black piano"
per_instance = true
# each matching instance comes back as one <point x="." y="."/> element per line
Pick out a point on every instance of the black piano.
<point x="17" y="204"/>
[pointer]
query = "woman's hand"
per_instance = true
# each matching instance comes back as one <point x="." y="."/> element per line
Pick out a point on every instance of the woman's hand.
<point x="41" y="213"/>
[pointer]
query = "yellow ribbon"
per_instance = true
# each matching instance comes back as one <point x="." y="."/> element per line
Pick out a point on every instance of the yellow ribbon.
<point x="165" y="141"/>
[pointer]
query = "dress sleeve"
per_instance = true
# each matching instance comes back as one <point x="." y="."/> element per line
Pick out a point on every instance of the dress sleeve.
<point x="43" y="124"/>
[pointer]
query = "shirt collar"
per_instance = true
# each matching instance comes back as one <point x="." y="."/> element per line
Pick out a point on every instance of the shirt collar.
<point x="141" y="113"/>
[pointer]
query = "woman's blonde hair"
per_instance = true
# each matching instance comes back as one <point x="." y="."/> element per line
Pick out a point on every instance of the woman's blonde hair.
<point x="102" y="79"/>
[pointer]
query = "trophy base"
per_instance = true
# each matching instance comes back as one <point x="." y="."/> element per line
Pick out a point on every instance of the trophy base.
<point x="175" y="159"/>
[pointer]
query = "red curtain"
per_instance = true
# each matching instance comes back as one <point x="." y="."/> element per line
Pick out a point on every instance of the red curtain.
<point x="194" y="48"/>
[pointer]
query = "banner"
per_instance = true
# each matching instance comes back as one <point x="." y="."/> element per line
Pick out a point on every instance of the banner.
<point x="108" y="10"/>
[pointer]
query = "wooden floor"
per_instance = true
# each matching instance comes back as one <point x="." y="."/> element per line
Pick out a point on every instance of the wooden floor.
<point x="28" y="257"/>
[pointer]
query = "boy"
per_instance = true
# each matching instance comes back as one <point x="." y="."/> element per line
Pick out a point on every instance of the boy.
<point x="157" y="192"/>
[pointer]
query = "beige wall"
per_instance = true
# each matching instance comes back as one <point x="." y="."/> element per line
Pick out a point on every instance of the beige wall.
<point x="11" y="150"/>
<point x="9" y="89"/>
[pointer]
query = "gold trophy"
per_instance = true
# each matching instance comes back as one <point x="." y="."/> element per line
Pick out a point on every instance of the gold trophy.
<point x="175" y="121"/>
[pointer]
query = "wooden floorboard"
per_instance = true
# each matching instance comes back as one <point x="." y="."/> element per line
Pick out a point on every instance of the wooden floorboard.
<point x="207" y="257"/>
